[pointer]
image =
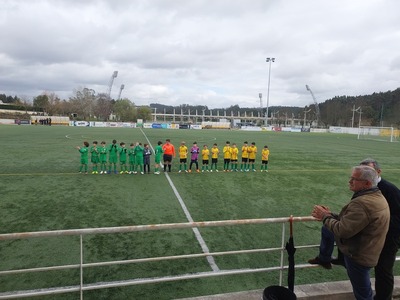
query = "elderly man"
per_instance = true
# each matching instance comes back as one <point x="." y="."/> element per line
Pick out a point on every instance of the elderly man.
<point x="384" y="279"/>
<point x="360" y="228"/>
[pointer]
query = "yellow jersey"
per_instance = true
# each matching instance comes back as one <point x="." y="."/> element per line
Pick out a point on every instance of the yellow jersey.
<point x="245" y="154"/>
<point x="205" y="154"/>
<point x="264" y="154"/>
<point x="252" y="152"/>
<point x="214" y="152"/>
<point x="227" y="152"/>
<point x="234" y="153"/>
<point x="183" y="152"/>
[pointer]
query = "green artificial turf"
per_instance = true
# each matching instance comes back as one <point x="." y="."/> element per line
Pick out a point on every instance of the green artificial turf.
<point x="42" y="190"/>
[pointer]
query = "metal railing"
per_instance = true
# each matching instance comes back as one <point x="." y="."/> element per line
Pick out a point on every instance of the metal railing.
<point x="125" y="229"/>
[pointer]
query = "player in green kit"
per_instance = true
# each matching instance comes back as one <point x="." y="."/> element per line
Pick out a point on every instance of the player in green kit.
<point x="139" y="157"/>
<point x="158" y="153"/>
<point x="94" y="157"/>
<point x="113" y="156"/>
<point x="131" y="158"/>
<point x="122" y="158"/>
<point x="84" y="151"/>
<point x="103" y="158"/>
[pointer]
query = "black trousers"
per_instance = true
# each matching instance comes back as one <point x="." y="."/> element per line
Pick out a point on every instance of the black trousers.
<point x="384" y="279"/>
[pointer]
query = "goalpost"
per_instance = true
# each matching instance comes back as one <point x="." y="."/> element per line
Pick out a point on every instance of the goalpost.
<point x="387" y="134"/>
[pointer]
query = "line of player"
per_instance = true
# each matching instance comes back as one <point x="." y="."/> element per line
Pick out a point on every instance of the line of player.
<point x="136" y="158"/>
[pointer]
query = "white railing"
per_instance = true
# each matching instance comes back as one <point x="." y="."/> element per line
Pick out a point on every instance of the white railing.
<point x="124" y="229"/>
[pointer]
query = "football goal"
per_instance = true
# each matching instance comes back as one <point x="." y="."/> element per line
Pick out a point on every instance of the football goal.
<point x="387" y="134"/>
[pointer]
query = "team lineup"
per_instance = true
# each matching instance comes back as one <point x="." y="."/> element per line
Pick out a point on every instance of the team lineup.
<point x="136" y="158"/>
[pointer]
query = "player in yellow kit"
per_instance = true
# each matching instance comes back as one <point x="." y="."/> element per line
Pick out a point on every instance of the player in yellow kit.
<point x="252" y="156"/>
<point x="264" y="158"/>
<point x="245" y="157"/>
<point x="234" y="157"/>
<point x="183" y="153"/>
<point x="205" y="156"/>
<point x="214" y="157"/>
<point x="227" y="155"/>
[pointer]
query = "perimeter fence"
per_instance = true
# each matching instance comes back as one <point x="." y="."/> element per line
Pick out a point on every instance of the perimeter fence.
<point x="82" y="287"/>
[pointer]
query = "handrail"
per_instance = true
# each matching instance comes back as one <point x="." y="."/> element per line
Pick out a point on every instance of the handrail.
<point x="124" y="229"/>
<point x="135" y="228"/>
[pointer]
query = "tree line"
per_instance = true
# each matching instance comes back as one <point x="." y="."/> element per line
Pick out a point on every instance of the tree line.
<point x="378" y="109"/>
<point x="85" y="104"/>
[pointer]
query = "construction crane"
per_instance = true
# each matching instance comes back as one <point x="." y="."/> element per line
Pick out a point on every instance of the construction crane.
<point x="120" y="91"/>
<point x="113" y="76"/>
<point x="317" y="112"/>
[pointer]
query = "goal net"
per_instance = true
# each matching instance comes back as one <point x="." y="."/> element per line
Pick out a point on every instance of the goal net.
<point x="387" y="134"/>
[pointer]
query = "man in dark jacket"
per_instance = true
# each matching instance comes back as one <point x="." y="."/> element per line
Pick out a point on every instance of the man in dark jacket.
<point x="384" y="279"/>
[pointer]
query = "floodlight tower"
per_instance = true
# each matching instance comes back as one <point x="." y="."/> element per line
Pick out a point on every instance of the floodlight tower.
<point x="113" y="76"/>
<point x="120" y="91"/>
<point x="269" y="60"/>
<point x="261" y="104"/>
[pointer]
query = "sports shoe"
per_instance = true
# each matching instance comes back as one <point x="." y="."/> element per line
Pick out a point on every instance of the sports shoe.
<point x="317" y="261"/>
<point x="198" y="171"/>
<point x="180" y="171"/>
<point x="190" y="171"/>
<point x="210" y="170"/>
<point x="216" y="170"/>
<point x="187" y="171"/>
<point x="122" y="172"/>
<point x="142" y="173"/>
<point x="202" y="171"/>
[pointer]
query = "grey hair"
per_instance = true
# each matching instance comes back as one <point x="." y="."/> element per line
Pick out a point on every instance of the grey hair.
<point x="367" y="173"/>
<point x="371" y="161"/>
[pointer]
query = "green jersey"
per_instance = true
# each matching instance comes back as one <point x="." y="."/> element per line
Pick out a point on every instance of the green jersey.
<point x="139" y="154"/>
<point x="94" y="152"/>
<point x="84" y="151"/>
<point x="103" y="154"/>
<point x="158" y="151"/>
<point x="131" y="155"/>
<point x="113" y="150"/>
<point x="122" y="154"/>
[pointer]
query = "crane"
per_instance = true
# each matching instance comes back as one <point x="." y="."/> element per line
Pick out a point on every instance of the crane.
<point x="317" y="112"/>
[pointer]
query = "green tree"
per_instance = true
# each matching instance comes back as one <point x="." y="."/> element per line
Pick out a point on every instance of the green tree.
<point x="103" y="107"/>
<point x="124" y="110"/>
<point x="144" y="112"/>
<point x="41" y="103"/>
<point x="83" y="103"/>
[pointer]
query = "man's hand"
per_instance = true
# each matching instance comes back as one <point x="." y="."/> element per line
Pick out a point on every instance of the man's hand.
<point x="320" y="211"/>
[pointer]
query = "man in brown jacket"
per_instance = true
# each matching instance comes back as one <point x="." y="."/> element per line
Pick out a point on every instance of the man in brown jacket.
<point x="360" y="228"/>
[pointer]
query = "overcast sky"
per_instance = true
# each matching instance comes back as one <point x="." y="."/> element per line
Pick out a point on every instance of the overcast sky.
<point x="205" y="52"/>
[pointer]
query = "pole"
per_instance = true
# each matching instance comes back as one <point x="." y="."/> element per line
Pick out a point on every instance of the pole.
<point x="270" y="61"/>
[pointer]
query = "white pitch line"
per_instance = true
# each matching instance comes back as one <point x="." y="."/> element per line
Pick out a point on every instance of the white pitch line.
<point x="196" y="231"/>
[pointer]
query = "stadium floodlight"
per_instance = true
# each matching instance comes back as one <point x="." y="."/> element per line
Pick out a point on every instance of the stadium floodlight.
<point x="269" y="60"/>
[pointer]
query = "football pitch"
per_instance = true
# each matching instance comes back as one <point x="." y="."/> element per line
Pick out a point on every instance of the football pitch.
<point x="42" y="190"/>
